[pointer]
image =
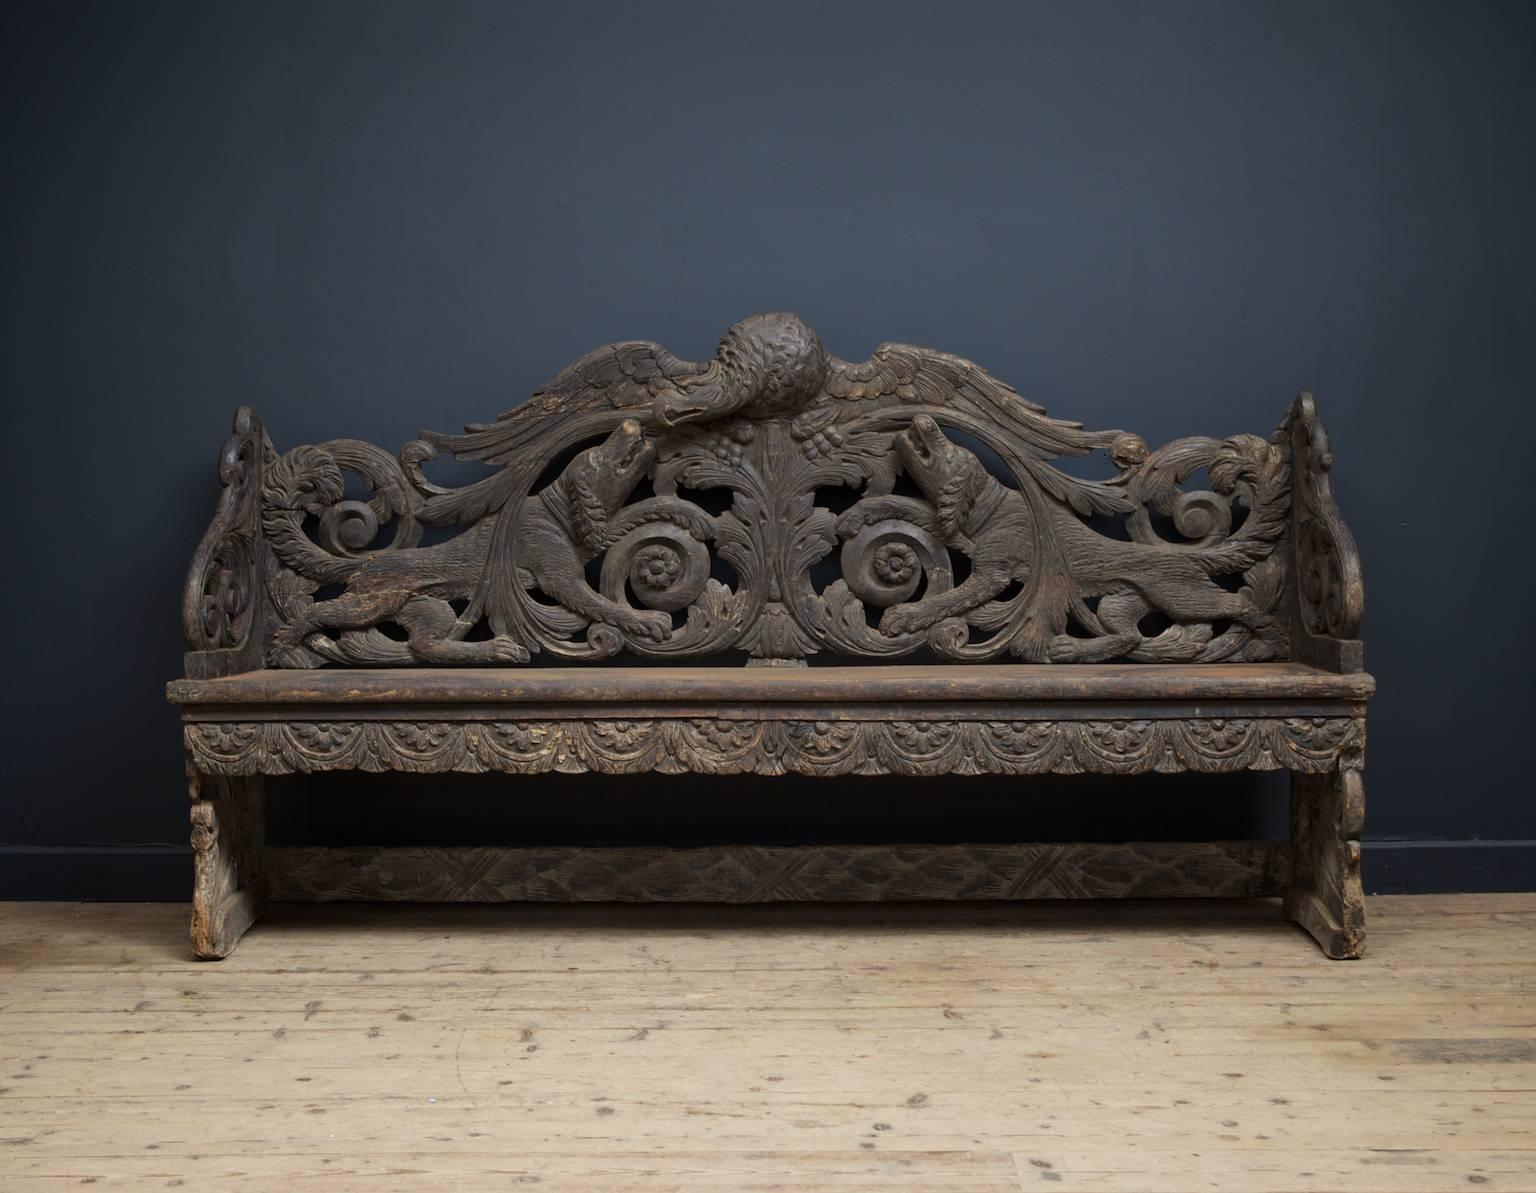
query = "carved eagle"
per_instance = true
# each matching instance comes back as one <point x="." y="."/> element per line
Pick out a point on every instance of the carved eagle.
<point x="774" y="366"/>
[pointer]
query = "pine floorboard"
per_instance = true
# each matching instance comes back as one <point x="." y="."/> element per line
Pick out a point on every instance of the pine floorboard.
<point x="1137" y="1047"/>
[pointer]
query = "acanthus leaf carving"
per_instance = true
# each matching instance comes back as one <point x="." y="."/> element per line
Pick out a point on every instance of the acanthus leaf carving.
<point x="746" y="745"/>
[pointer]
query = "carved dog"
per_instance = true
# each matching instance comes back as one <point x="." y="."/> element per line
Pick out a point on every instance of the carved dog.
<point x="994" y="526"/>
<point x="557" y="531"/>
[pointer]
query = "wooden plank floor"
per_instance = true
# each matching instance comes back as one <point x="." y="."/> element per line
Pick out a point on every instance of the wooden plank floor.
<point x="1139" y="1047"/>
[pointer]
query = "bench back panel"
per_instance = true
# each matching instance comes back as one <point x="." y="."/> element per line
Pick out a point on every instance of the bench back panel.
<point x="777" y="503"/>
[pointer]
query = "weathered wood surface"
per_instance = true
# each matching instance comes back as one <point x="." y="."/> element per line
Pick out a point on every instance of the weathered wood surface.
<point x="229" y="886"/>
<point x="1326" y="898"/>
<point x="745" y="746"/>
<point x="863" y="685"/>
<point x="1327" y="600"/>
<point x="225" y="613"/>
<point x="762" y="874"/>
<point x="936" y="550"/>
<point x="1122" y="1048"/>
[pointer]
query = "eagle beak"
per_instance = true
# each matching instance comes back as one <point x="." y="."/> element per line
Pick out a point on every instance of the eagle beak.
<point x="675" y="408"/>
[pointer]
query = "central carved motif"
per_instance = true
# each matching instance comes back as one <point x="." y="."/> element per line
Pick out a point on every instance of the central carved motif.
<point x="939" y="548"/>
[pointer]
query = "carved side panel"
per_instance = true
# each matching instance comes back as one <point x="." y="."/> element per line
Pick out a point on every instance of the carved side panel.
<point x="1328" y="603"/>
<point x="223" y="613"/>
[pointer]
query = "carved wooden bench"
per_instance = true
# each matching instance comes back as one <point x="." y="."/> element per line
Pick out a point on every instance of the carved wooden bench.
<point x="774" y="506"/>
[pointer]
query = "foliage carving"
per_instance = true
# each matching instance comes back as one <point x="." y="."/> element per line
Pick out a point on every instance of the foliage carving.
<point x="689" y="514"/>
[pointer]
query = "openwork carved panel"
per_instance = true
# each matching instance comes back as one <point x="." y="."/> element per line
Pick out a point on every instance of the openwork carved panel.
<point x="776" y="747"/>
<point x="779" y="502"/>
<point x="221" y="603"/>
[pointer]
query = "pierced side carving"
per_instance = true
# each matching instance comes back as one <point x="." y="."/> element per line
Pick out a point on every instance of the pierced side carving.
<point x="730" y="746"/>
<point x="1329" y="589"/>
<point x="571" y="520"/>
<point x="995" y="525"/>
<point x="731" y="547"/>
<point x="221" y="599"/>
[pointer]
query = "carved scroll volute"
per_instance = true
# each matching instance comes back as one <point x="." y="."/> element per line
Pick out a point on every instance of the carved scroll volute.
<point x="884" y="563"/>
<point x="222" y="610"/>
<point x="664" y="565"/>
<point x="887" y="555"/>
<point x="1329" y="593"/>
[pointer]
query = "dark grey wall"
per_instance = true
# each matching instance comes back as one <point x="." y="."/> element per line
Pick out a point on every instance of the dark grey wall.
<point x="366" y="218"/>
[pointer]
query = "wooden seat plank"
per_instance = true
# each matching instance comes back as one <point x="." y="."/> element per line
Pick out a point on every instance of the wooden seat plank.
<point x="1129" y="682"/>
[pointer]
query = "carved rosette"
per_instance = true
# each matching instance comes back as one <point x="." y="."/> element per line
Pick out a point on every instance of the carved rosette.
<point x="744" y="746"/>
<point x="663" y="565"/>
<point x="884" y="564"/>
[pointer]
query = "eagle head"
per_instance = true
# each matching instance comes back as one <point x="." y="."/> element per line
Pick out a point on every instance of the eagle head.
<point x="767" y="366"/>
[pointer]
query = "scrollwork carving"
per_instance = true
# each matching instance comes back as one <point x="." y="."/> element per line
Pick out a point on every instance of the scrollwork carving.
<point x="221" y="598"/>
<point x="664" y="565"/>
<point x="983" y="559"/>
<point x="888" y="553"/>
<point x="225" y="592"/>
<point x="1002" y="532"/>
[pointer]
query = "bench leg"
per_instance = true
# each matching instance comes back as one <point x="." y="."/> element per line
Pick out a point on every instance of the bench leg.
<point x="228" y="887"/>
<point x="1325" y="895"/>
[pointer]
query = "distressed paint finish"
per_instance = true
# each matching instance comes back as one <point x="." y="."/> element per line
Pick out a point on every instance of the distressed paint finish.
<point x="1114" y="626"/>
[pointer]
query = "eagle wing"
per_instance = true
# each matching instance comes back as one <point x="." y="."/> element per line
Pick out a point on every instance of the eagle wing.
<point x="901" y="380"/>
<point x="623" y="377"/>
<point x="587" y="397"/>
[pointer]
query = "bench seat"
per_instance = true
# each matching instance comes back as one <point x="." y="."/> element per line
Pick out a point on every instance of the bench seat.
<point x="670" y="690"/>
<point x="921" y="720"/>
